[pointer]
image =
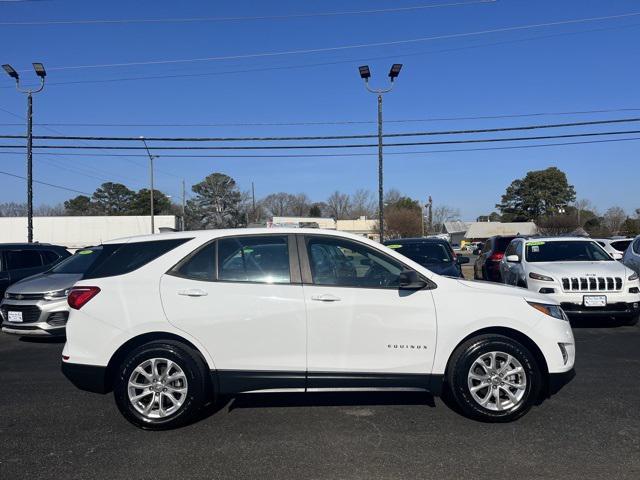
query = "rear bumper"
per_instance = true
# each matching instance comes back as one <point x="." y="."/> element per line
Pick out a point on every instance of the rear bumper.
<point x="91" y="378"/>
<point x="559" y="380"/>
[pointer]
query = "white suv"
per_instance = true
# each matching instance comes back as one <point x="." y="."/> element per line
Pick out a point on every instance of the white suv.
<point x="170" y="321"/>
<point x="576" y="272"/>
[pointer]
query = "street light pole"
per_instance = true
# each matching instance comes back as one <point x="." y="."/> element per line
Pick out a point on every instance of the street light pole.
<point x="151" y="157"/>
<point x="41" y="73"/>
<point x="365" y="74"/>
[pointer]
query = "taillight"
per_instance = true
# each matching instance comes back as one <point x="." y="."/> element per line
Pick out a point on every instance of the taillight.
<point x="496" y="257"/>
<point x="78" y="296"/>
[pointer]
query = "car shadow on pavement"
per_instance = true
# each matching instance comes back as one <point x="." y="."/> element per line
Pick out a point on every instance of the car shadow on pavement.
<point x="43" y="339"/>
<point x="328" y="399"/>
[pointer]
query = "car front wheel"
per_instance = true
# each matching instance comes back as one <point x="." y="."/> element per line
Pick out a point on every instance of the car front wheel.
<point x="161" y="385"/>
<point x="493" y="378"/>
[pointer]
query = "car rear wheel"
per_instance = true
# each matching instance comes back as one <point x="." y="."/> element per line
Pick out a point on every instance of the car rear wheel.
<point x="493" y="378"/>
<point x="161" y="385"/>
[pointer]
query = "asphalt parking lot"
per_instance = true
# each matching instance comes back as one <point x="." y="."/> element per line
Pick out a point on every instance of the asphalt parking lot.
<point x="591" y="429"/>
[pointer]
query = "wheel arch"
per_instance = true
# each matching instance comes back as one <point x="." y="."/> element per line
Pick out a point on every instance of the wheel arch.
<point x="518" y="336"/>
<point x="139" y="340"/>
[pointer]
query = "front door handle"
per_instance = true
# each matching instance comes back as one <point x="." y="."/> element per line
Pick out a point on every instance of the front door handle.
<point x="193" y="292"/>
<point x="325" y="297"/>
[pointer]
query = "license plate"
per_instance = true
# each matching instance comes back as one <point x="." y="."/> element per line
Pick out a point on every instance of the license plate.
<point x="15" y="317"/>
<point x="595" y="301"/>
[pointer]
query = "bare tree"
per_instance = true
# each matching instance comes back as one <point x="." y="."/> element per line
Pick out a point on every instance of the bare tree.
<point x="557" y="225"/>
<point x="339" y="205"/>
<point x="363" y="204"/>
<point x="300" y="205"/>
<point x="638" y="213"/>
<point x="613" y="219"/>
<point x="392" y="196"/>
<point x="279" y="204"/>
<point x="444" y="213"/>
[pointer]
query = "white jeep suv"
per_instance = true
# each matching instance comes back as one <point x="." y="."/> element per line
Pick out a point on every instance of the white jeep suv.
<point x="575" y="272"/>
<point x="169" y="321"/>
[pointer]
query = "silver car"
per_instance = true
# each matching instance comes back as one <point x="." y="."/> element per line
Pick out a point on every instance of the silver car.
<point x="37" y="305"/>
<point x="632" y="256"/>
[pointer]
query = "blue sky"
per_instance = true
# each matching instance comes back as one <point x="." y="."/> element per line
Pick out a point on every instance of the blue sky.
<point x="564" y="68"/>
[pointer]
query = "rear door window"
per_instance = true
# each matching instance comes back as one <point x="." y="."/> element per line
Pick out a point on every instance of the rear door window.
<point x="263" y="259"/>
<point x="201" y="265"/>
<point x="17" y="259"/>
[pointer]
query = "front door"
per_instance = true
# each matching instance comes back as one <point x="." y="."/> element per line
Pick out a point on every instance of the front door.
<point x="363" y="330"/>
<point x="241" y="297"/>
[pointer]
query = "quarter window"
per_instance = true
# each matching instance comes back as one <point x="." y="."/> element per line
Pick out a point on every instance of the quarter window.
<point x="263" y="259"/>
<point x="339" y="262"/>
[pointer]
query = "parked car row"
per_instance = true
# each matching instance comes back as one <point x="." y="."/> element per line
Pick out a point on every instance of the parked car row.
<point x="581" y="274"/>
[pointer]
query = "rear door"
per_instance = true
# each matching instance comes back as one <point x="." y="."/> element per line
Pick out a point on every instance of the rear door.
<point x="241" y="296"/>
<point x="362" y="329"/>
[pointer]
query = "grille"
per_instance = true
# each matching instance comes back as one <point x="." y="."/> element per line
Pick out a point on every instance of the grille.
<point x="30" y="313"/>
<point x="24" y="296"/>
<point x="58" y="319"/>
<point x="592" y="284"/>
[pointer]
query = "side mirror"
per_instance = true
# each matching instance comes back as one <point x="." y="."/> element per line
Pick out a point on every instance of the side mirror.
<point x="513" y="259"/>
<point x="410" y="280"/>
<point x="462" y="260"/>
<point x="617" y="256"/>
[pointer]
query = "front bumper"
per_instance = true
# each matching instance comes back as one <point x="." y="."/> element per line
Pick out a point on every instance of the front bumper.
<point x="41" y="318"/>
<point x="618" y="310"/>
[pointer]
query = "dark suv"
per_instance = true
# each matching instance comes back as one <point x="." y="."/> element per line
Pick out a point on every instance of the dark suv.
<point x="21" y="260"/>
<point x="487" y="266"/>
<point x="432" y="253"/>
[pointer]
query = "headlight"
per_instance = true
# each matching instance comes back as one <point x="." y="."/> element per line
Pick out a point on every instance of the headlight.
<point x="56" y="295"/>
<point x="537" y="276"/>
<point x="633" y="277"/>
<point x="554" y="311"/>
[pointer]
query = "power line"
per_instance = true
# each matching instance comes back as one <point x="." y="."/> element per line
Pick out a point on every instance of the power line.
<point x="45" y="183"/>
<point x="331" y="146"/>
<point x="330" y="137"/>
<point x="340" y="155"/>
<point x="236" y="19"/>
<point x="346" y="47"/>
<point x="337" y="122"/>
<point x="335" y="62"/>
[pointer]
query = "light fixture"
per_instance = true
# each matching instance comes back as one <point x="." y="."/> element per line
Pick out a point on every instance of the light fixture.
<point x="40" y="71"/>
<point x="10" y="71"/>
<point x="365" y="73"/>
<point x="395" y="71"/>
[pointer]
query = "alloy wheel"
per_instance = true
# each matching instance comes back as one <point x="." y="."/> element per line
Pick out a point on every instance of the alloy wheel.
<point x="497" y="381"/>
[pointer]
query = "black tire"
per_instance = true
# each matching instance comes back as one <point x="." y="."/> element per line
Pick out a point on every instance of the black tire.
<point x="189" y="361"/>
<point x="461" y="362"/>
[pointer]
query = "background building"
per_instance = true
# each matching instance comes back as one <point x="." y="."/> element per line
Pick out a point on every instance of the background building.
<point x="77" y="232"/>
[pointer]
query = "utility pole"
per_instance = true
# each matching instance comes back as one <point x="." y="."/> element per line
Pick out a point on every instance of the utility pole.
<point x="365" y="74"/>
<point x="151" y="157"/>
<point x="430" y="214"/>
<point x="183" y="206"/>
<point x="41" y="73"/>
<point x="253" y="202"/>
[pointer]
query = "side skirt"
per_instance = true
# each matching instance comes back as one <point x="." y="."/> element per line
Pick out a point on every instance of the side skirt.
<point x="236" y="381"/>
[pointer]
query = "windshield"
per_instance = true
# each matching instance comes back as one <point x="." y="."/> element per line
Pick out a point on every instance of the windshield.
<point x="78" y="263"/>
<point x="566" y="251"/>
<point x="424" y="253"/>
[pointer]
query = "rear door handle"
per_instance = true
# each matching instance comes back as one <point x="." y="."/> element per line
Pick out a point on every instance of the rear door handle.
<point x="325" y="297"/>
<point x="193" y="292"/>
